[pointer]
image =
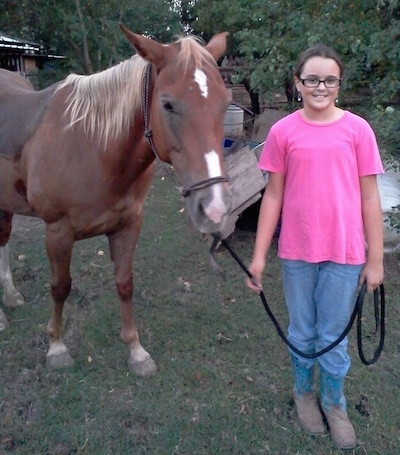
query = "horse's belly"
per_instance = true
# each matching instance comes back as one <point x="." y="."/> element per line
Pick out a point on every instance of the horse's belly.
<point x="12" y="190"/>
<point x="90" y="225"/>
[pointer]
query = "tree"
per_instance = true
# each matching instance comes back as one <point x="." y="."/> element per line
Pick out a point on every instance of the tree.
<point x="270" y="35"/>
<point x="87" y="31"/>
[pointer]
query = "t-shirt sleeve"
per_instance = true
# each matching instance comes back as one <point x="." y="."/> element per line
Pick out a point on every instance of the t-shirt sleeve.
<point x="368" y="157"/>
<point x="272" y="156"/>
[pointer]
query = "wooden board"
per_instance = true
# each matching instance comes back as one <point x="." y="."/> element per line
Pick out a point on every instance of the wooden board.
<point x="246" y="182"/>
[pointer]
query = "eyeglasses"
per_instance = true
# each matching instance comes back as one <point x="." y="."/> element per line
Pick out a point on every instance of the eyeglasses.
<point x="329" y="82"/>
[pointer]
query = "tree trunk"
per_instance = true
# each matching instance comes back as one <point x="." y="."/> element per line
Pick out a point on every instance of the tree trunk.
<point x="86" y="61"/>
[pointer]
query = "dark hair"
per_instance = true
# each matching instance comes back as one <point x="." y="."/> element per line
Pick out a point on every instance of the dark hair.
<point x="320" y="50"/>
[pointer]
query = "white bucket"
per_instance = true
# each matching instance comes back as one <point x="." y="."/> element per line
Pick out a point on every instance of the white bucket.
<point x="233" y="121"/>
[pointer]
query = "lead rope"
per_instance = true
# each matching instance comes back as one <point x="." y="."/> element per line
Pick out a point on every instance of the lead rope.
<point x="379" y="297"/>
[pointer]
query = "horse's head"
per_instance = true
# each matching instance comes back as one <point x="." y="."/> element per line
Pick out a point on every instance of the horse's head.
<point x="188" y="102"/>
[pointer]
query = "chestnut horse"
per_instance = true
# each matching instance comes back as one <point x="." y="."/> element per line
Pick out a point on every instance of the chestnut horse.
<point x="80" y="155"/>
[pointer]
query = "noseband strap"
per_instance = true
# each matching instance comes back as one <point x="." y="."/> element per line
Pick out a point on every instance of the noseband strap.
<point x="184" y="190"/>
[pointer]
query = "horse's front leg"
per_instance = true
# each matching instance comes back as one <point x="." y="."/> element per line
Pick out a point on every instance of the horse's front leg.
<point x="122" y="247"/>
<point x="59" y="245"/>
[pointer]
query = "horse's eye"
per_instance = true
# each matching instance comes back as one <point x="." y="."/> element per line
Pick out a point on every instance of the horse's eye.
<point x="167" y="105"/>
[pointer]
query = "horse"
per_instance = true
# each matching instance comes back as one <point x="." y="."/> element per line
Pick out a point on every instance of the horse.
<point x="80" y="155"/>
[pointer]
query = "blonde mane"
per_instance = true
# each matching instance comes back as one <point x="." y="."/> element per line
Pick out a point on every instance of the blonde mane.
<point x="106" y="101"/>
<point x="193" y="51"/>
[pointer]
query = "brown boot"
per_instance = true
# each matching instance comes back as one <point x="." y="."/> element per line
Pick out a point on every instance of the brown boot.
<point x="341" y="429"/>
<point x="308" y="413"/>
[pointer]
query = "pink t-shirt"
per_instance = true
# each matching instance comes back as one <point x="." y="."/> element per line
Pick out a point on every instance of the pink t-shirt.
<point x="322" y="163"/>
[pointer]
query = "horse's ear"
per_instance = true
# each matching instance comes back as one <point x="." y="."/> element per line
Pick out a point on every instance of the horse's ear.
<point x="147" y="48"/>
<point x="217" y="45"/>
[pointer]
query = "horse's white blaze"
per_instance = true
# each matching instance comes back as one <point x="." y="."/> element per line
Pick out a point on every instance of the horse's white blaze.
<point x="216" y="209"/>
<point x="201" y="79"/>
<point x="213" y="165"/>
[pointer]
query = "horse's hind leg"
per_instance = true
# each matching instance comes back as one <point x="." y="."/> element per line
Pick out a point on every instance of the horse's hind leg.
<point x="11" y="297"/>
<point x="59" y="250"/>
<point x="3" y="320"/>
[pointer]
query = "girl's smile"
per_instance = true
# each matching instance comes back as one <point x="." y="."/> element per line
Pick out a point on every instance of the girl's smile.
<point x="319" y="102"/>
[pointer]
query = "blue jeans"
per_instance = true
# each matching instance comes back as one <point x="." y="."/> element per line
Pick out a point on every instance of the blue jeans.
<point x="320" y="298"/>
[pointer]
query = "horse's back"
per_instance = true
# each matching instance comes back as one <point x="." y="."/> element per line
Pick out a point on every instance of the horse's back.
<point x="21" y="110"/>
<point x="14" y="82"/>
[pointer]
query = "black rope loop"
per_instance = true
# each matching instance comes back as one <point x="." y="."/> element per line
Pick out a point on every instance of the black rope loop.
<point x="379" y="310"/>
<point x="379" y="300"/>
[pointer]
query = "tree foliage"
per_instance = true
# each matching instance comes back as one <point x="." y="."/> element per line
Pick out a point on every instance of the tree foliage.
<point x="271" y="35"/>
<point x="268" y="35"/>
<point x="87" y="31"/>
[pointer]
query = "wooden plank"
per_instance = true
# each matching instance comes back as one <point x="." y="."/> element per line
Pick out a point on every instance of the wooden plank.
<point x="234" y="215"/>
<point x="246" y="182"/>
<point x="245" y="178"/>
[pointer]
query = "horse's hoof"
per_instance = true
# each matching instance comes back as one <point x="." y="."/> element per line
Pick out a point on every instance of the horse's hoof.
<point x="13" y="300"/>
<point x="3" y="320"/>
<point x="59" y="362"/>
<point x="143" y="368"/>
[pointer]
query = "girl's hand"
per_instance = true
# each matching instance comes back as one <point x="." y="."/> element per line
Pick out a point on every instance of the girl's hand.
<point x="255" y="283"/>
<point x="372" y="274"/>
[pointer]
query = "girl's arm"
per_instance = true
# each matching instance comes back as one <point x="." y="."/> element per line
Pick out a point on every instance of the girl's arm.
<point x="373" y="225"/>
<point x="268" y="218"/>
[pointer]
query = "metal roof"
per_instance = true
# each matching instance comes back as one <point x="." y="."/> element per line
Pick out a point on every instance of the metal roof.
<point x="26" y="47"/>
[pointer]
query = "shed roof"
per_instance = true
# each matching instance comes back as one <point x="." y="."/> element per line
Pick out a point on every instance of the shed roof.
<point x="26" y="47"/>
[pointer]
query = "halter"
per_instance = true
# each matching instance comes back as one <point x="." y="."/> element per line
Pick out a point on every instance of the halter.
<point x="184" y="190"/>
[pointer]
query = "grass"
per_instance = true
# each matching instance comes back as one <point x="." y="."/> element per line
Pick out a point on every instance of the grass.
<point x="224" y="380"/>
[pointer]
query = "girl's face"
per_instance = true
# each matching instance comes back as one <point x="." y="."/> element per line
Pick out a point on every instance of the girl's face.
<point x="320" y="99"/>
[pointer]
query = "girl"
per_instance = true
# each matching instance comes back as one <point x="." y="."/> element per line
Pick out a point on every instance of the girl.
<point x="322" y="163"/>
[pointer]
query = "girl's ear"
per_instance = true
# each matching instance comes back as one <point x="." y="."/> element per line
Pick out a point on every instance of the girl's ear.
<point x="297" y="83"/>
